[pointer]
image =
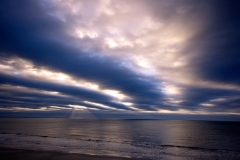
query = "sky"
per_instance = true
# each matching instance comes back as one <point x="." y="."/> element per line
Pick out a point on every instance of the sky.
<point x="158" y="59"/>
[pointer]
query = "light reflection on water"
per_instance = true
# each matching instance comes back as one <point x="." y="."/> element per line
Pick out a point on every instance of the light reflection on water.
<point x="203" y="134"/>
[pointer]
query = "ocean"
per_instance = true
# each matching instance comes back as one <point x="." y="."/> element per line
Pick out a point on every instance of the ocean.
<point x="152" y="139"/>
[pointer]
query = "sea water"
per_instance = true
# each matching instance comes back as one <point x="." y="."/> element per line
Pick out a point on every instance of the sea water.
<point x="152" y="139"/>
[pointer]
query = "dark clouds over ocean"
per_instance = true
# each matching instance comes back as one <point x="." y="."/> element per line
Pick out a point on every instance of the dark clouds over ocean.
<point x="120" y="59"/>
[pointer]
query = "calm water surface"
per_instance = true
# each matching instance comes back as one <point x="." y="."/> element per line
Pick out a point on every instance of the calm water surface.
<point x="152" y="139"/>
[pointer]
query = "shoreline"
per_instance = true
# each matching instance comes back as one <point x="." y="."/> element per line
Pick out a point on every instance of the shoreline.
<point x="23" y="154"/>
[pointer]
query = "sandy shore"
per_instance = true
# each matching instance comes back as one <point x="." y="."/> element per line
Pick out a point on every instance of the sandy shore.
<point x="20" y="154"/>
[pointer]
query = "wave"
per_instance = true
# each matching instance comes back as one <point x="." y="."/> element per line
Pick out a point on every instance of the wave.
<point x="111" y="148"/>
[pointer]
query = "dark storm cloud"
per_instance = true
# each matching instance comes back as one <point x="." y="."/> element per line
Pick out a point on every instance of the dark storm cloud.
<point x="37" y="37"/>
<point x="35" y="101"/>
<point x="221" y="100"/>
<point x="231" y="104"/>
<point x="30" y="32"/>
<point x="81" y="93"/>
<point x="217" y="47"/>
<point x="48" y="86"/>
<point x="21" y="99"/>
<point x="13" y="98"/>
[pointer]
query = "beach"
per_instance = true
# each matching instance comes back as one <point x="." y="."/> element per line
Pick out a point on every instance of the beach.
<point x="22" y="154"/>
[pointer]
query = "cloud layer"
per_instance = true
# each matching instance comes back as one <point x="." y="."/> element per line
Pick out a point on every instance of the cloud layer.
<point x="120" y="58"/>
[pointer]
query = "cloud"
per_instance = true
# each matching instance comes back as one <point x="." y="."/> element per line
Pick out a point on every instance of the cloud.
<point x="213" y="53"/>
<point x="158" y="56"/>
<point x="209" y="99"/>
<point x="81" y="93"/>
<point x="43" y="51"/>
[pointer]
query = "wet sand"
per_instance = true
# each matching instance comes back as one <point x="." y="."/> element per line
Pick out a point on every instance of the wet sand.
<point x="21" y="154"/>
